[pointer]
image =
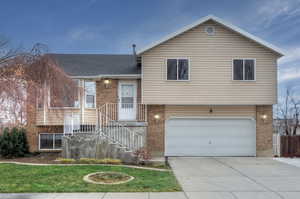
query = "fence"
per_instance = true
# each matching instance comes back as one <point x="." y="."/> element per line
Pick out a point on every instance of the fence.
<point x="290" y="146"/>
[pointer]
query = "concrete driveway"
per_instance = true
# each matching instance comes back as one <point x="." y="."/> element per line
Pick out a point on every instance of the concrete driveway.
<point x="236" y="178"/>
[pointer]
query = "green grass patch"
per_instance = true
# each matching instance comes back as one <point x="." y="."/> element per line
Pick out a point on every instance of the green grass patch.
<point x="23" y="178"/>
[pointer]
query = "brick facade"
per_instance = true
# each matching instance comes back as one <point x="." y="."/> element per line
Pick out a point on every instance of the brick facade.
<point x="106" y="93"/>
<point x="156" y="130"/>
<point x="156" y="127"/>
<point x="264" y="131"/>
<point x="31" y="119"/>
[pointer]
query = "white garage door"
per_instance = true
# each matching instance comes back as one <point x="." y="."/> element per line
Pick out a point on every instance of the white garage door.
<point x="210" y="137"/>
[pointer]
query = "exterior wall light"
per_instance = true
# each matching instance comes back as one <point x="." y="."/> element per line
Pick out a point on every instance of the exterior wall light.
<point x="106" y="83"/>
<point x="264" y="117"/>
<point x="157" y="116"/>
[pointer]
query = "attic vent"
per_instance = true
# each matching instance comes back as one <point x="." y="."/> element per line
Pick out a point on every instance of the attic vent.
<point x="210" y="30"/>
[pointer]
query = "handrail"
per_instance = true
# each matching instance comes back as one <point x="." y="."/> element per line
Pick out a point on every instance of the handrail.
<point x="117" y="132"/>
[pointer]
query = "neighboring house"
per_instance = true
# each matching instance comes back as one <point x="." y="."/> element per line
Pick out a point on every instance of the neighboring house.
<point x="206" y="90"/>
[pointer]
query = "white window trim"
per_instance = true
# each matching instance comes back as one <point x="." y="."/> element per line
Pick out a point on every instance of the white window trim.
<point x="177" y="80"/>
<point x="243" y="80"/>
<point x="53" y="148"/>
<point x="64" y="107"/>
<point x="85" y="104"/>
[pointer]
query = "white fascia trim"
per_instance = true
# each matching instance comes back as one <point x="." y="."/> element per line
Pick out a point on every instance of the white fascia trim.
<point x="129" y="76"/>
<point x="220" y="21"/>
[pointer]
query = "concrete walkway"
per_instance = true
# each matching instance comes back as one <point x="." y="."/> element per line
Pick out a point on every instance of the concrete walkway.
<point x="237" y="178"/>
<point x="292" y="161"/>
<point x="158" y="195"/>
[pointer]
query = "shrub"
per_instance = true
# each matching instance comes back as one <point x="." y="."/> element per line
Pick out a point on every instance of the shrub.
<point x="87" y="161"/>
<point x="66" y="161"/>
<point x="13" y="143"/>
<point x="108" y="161"/>
<point x="142" y="156"/>
<point x="114" y="161"/>
<point x="99" y="161"/>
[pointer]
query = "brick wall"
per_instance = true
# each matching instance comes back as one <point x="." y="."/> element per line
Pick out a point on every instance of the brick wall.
<point x="156" y="134"/>
<point x="107" y="94"/>
<point x="139" y="91"/>
<point x="156" y="130"/>
<point x="31" y="119"/>
<point x="264" y="131"/>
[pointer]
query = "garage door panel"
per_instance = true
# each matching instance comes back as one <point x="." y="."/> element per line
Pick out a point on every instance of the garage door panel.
<point x="210" y="137"/>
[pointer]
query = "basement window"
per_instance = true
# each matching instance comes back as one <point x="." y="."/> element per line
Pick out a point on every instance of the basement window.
<point x="50" y="141"/>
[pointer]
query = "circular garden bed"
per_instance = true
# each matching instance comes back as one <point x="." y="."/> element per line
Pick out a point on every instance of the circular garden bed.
<point x="107" y="178"/>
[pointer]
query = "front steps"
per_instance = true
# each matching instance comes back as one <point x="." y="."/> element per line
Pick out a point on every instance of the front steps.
<point x="93" y="145"/>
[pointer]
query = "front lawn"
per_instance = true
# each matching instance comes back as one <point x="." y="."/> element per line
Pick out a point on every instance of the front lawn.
<point x="23" y="178"/>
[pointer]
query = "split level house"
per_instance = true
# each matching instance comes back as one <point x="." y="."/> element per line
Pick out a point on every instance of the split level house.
<point x="205" y="90"/>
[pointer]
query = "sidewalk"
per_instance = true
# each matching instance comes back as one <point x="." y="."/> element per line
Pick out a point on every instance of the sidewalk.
<point x="140" y="195"/>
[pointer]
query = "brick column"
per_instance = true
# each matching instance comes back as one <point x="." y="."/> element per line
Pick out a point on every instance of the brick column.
<point x="107" y="94"/>
<point x="156" y="130"/>
<point x="32" y="134"/>
<point x="264" y="131"/>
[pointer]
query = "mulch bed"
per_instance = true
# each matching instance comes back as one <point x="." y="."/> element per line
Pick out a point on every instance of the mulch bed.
<point x="41" y="158"/>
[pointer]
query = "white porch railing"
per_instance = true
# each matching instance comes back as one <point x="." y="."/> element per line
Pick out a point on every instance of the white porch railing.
<point x="116" y="131"/>
<point x="108" y="125"/>
<point x="73" y="124"/>
<point x="136" y="110"/>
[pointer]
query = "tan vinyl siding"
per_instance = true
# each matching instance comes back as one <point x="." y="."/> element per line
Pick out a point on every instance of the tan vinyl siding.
<point x="54" y="116"/>
<point x="89" y="116"/>
<point x="204" y="111"/>
<point x="210" y="70"/>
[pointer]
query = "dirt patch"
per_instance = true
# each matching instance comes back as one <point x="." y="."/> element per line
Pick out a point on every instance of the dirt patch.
<point x="40" y="158"/>
<point x="108" y="178"/>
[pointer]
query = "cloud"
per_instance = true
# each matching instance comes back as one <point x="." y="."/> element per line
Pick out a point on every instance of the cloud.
<point x="292" y="55"/>
<point x="289" y="67"/>
<point x="289" y="75"/>
<point x="86" y="33"/>
<point x="269" y="11"/>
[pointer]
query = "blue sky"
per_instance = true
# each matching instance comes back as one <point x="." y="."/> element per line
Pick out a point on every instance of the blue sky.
<point x="111" y="26"/>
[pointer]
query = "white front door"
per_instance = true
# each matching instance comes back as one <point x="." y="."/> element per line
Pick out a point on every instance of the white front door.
<point x="127" y="100"/>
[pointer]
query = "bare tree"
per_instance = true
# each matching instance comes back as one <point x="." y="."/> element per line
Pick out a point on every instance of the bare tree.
<point x="6" y="53"/>
<point x="26" y="77"/>
<point x="296" y="114"/>
<point x="289" y="113"/>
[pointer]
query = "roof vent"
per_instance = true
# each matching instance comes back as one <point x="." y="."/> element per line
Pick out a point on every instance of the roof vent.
<point x="210" y="30"/>
<point x="133" y="48"/>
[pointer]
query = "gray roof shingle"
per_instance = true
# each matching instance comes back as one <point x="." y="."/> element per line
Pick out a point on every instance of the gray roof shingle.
<point x="96" y="64"/>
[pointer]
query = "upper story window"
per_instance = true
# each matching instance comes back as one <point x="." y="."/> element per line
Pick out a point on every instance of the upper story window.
<point x="177" y="69"/>
<point x="90" y="94"/>
<point x="64" y="96"/>
<point x="244" y="69"/>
